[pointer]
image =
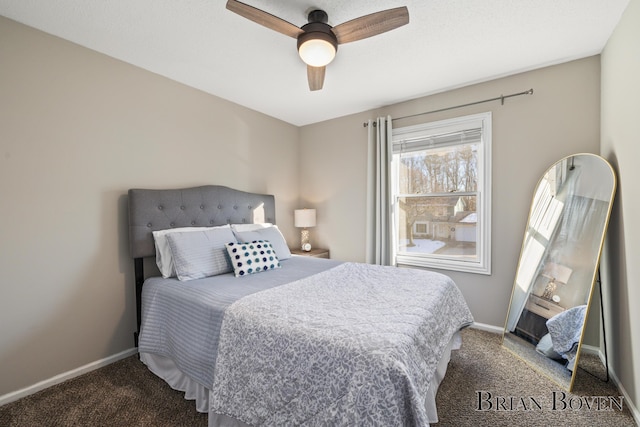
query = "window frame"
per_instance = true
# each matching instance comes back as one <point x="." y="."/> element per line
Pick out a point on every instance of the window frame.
<point x="482" y="264"/>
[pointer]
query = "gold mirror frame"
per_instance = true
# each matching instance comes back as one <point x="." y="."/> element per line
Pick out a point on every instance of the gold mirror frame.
<point x="558" y="264"/>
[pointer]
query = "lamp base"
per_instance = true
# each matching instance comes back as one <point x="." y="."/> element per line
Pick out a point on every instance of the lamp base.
<point x="304" y="238"/>
<point x="549" y="290"/>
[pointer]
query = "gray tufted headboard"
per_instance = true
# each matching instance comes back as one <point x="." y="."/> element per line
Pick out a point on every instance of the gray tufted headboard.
<point x="205" y="206"/>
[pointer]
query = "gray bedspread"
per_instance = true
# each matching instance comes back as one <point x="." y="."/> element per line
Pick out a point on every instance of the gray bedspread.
<point x="181" y="320"/>
<point x="354" y="345"/>
<point x="565" y="330"/>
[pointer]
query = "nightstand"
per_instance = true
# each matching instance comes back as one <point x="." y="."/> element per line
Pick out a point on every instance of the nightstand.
<point x="532" y="324"/>
<point x="316" y="252"/>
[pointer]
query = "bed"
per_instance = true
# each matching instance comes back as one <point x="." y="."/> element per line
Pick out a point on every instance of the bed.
<point x="285" y="340"/>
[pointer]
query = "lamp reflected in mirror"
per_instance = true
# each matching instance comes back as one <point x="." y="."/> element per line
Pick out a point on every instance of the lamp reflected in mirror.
<point x="557" y="275"/>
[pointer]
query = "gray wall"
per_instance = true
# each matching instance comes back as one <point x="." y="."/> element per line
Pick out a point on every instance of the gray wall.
<point x="77" y="129"/>
<point x="620" y="144"/>
<point x="530" y="133"/>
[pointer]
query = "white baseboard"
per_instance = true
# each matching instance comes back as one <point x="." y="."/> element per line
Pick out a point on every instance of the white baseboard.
<point x="614" y="378"/>
<point x="488" y="328"/>
<point x="634" y="411"/>
<point x="590" y="349"/>
<point x="15" y="395"/>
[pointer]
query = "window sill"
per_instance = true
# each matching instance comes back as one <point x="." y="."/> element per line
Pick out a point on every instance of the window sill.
<point x="443" y="264"/>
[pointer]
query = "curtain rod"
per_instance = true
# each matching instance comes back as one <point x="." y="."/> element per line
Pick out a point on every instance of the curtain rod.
<point x="501" y="98"/>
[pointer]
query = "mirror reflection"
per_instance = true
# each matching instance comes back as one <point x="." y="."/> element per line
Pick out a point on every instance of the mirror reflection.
<point x="558" y="264"/>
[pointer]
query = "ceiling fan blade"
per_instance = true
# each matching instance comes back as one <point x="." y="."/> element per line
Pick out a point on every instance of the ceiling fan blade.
<point x="371" y="25"/>
<point x="263" y="18"/>
<point x="315" y="75"/>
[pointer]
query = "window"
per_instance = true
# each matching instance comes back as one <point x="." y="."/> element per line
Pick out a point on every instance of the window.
<point x="441" y="184"/>
<point x="420" y="228"/>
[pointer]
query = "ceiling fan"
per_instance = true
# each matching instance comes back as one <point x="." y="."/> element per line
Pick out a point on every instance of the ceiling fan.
<point x="317" y="40"/>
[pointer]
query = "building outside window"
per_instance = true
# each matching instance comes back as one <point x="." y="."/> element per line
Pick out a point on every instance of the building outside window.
<point x="441" y="182"/>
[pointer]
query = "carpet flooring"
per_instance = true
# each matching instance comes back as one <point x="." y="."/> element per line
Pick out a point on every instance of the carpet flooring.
<point x="485" y="385"/>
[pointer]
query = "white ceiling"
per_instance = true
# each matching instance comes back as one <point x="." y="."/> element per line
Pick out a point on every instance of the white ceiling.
<point x="447" y="44"/>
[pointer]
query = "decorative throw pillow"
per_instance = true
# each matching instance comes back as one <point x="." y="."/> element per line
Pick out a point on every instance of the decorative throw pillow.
<point x="272" y="234"/>
<point x="252" y="257"/>
<point x="198" y="254"/>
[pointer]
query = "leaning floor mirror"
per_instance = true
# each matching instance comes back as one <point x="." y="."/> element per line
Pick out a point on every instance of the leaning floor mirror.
<point x="558" y="265"/>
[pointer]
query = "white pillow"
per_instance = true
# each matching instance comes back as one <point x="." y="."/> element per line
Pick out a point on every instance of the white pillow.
<point x="272" y="235"/>
<point x="198" y="254"/>
<point x="164" y="259"/>
<point x="250" y="227"/>
<point x="252" y="257"/>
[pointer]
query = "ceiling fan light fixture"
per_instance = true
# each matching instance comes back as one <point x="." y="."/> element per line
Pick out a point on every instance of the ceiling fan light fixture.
<point x="317" y="49"/>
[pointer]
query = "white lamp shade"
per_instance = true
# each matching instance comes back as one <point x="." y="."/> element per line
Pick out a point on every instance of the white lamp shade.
<point x="558" y="272"/>
<point x="304" y="218"/>
<point x="317" y="52"/>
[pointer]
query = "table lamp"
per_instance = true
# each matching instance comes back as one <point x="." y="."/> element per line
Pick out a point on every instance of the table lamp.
<point x="557" y="274"/>
<point x="304" y="218"/>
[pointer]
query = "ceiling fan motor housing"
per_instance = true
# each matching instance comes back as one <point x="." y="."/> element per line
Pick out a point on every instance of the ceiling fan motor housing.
<point x="317" y="31"/>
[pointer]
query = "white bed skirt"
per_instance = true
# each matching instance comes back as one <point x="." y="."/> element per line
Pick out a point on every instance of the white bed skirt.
<point x="165" y="368"/>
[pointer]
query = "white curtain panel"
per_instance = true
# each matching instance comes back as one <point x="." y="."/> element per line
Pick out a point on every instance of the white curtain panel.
<point x="379" y="238"/>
